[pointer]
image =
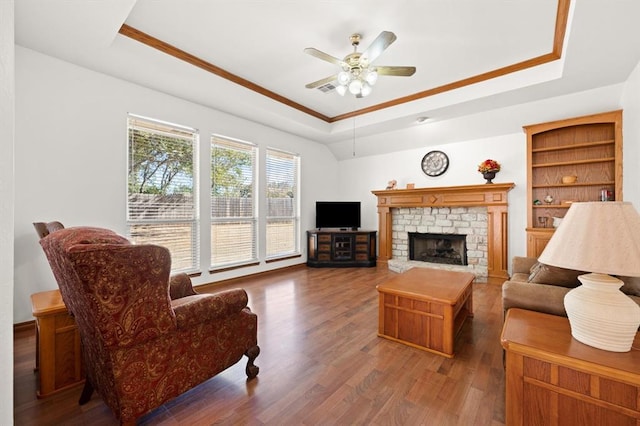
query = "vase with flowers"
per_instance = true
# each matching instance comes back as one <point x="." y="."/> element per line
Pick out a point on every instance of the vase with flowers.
<point x="489" y="168"/>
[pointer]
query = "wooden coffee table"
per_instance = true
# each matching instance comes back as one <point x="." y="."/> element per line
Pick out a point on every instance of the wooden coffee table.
<point x="425" y="308"/>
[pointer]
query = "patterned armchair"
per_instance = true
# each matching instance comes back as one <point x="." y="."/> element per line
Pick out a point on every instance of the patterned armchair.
<point x="146" y="337"/>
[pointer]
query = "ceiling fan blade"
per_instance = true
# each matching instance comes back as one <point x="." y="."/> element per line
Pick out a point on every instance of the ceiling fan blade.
<point x="324" y="56"/>
<point x="395" y="71"/>
<point x="321" y="82"/>
<point x="378" y="46"/>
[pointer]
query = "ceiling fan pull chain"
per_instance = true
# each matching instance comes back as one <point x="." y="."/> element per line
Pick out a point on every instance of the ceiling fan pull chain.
<point x="354" y="136"/>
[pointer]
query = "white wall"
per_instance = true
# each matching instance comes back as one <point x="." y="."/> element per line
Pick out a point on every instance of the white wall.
<point x="631" y="138"/>
<point x="362" y="175"/>
<point x="70" y="159"/>
<point x="7" y="110"/>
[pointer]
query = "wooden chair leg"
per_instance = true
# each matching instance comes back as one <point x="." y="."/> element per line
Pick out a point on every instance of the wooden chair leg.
<point x="252" y="353"/>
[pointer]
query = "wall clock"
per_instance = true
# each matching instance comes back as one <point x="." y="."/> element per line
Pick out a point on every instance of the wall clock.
<point x="435" y="163"/>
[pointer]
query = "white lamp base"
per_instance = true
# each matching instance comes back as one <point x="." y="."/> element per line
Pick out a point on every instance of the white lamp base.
<point x="601" y="315"/>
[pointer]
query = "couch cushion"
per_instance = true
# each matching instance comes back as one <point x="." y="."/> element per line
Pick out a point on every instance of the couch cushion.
<point x="518" y="276"/>
<point x="546" y="274"/>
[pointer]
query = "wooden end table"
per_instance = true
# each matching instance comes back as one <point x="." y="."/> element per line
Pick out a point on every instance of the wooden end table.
<point x="553" y="379"/>
<point x="425" y="308"/>
<point x="58" y="352"/>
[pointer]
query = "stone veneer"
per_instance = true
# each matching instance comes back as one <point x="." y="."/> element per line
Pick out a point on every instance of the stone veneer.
<point x="469" y="221"/>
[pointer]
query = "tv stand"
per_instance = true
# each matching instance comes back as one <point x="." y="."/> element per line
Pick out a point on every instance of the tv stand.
<point x="341" y="248"/>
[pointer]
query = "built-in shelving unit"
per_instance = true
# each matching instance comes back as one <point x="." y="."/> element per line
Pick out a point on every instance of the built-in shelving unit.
<point x="589" y="148"/>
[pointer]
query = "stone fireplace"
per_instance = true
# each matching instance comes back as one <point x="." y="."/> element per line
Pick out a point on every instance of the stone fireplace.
<point x="487" y="243"/>
<point x="453" y="238"/>
<point x="448" y="249"/>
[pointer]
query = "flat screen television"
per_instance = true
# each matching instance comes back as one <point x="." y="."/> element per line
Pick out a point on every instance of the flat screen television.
<point x="338" y="214"/>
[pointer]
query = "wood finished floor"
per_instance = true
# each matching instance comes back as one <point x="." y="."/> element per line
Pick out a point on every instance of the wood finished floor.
<point x="321" y="363"/>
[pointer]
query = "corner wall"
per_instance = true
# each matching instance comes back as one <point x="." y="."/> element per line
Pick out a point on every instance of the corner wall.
<point x="631" y="138"/>
<point x="7" y="114"/>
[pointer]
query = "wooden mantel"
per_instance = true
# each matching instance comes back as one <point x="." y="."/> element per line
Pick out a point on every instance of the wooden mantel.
<point x="492" y="196"/>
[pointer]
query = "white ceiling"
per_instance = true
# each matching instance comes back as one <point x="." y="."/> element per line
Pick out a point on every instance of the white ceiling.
<point x="263" y="42"/>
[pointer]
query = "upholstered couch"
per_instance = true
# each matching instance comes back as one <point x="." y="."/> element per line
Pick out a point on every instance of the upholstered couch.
<point x="146" y="337"/>
<point x="542" y="288"/>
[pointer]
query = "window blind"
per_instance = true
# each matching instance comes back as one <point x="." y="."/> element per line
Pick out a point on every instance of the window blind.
<point x="282" y="173"/>
<point x="233" y="202"/>
<point x="162" y="189"/>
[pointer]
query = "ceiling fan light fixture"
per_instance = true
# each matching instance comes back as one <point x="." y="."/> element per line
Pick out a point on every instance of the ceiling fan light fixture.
<point x="356" y="74"/>
<point x="344" y="77"/>
<point x="366" y="89"/>
<point x="355" y="86"/>
<point x="372" y="77"/>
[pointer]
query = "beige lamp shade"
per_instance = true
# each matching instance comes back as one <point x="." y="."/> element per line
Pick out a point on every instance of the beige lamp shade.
<point x="601" y="237"/>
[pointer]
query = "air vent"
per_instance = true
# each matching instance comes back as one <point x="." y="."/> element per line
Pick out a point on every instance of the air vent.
<point x="326" y="87"/>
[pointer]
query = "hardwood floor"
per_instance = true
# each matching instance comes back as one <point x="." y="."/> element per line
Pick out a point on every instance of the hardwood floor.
<point x="321" y="363"/>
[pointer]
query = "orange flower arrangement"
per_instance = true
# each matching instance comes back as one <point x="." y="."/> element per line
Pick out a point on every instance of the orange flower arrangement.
<point x="489" y="166"/>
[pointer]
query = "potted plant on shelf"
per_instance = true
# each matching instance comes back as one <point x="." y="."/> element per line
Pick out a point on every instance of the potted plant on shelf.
<point x="489" y="168"/>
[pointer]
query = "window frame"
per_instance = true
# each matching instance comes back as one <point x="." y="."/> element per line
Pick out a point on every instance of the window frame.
<point x="294" y="218"/>
<point x="193" y="222"/>
<point x="253" y="220"/>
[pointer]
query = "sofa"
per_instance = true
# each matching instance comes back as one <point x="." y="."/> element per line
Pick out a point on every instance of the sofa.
<point x="539" y="287"/>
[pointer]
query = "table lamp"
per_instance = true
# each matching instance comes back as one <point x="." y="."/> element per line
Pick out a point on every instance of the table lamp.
<point x="602" y="238"/>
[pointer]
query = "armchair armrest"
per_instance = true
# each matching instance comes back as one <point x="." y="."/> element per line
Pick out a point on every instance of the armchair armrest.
<point x="180" y="286"/>
<point x="192" y="310"/>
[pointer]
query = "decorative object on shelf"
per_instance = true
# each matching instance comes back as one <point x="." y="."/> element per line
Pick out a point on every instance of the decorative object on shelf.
<point x="569" y="179"/>
<point x="542" y="220"/>
<point x="548" y="199"/>
<point x="392" y="184"/>
<point x="556" y="221"/>
<point x="434" y="163"/>
<point x="489" y="168"/>
<point x="537" y="202"/>
<point x="606" y="195"/>
<point x="601" y="238"/>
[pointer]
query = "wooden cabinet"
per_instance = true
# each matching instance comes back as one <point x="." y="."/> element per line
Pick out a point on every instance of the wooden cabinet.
<point x="589" y="148"/>
<point x="552" y="379"/>
<point x="58" y="352"/>
<point x="341" y="248"/>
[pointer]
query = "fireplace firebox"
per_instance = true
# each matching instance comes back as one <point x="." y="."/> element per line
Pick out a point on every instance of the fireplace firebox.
<point x="449" y="249"/>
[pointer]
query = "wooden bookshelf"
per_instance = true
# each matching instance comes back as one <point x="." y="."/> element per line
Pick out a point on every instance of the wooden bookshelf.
<point x="589" y="147"/>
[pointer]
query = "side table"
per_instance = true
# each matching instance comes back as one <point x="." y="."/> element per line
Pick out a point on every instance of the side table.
<point x="553" y="379"/>
<point x="58" y="351"/>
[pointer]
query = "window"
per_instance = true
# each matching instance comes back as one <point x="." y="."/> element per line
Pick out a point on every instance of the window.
<point x="233" y="202"/>
<point x="162" y="189"/>
<point x="282" y="204"/>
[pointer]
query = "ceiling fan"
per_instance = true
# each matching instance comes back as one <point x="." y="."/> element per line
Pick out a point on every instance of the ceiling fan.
<point x="357" y="74"/>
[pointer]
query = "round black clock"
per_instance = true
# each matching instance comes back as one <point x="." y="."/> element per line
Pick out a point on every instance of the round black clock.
<point x="435" y="163"/>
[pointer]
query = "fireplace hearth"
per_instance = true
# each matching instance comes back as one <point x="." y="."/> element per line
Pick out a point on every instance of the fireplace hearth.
<point x="448" y="249"/>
